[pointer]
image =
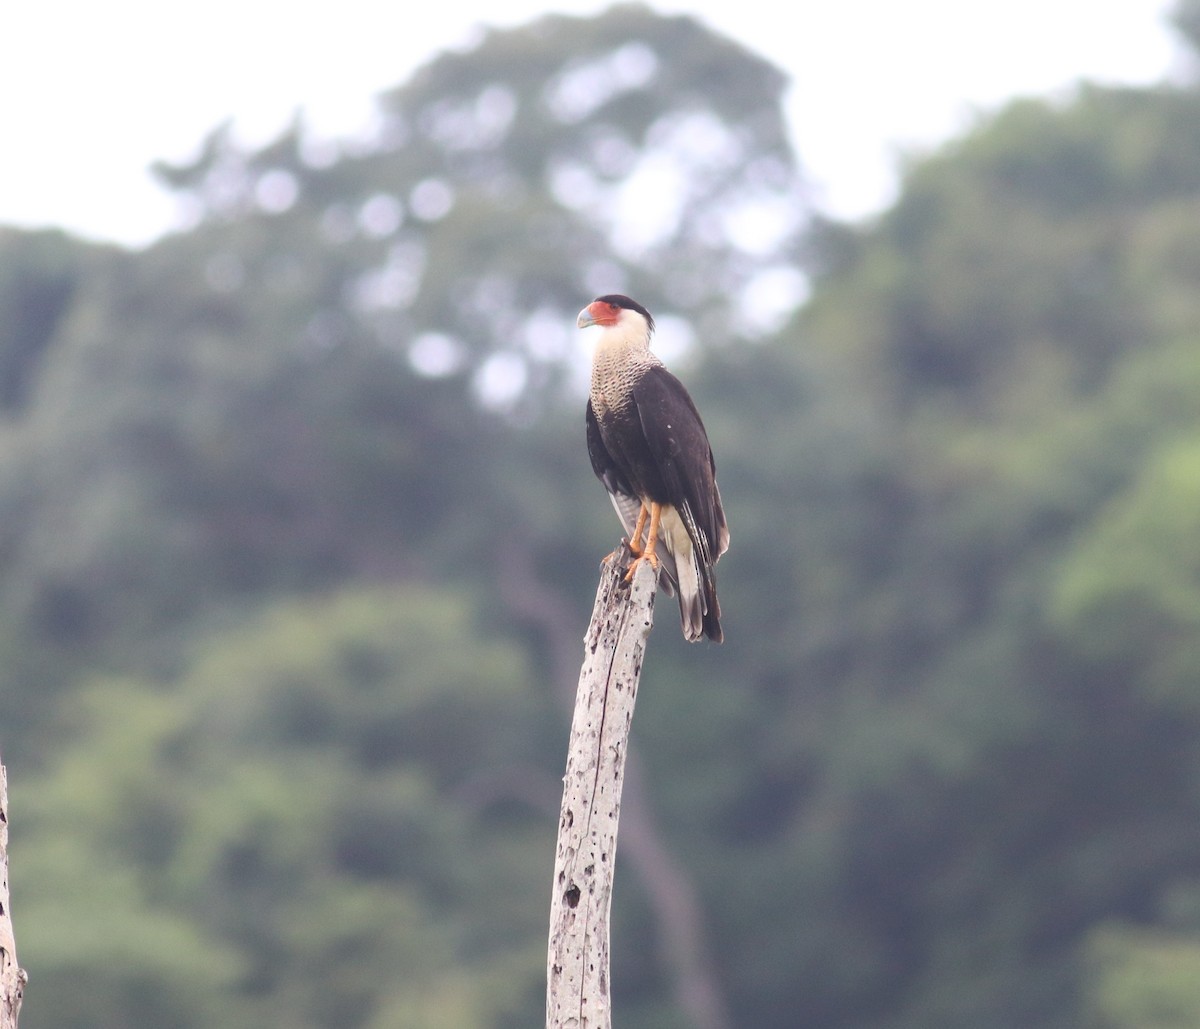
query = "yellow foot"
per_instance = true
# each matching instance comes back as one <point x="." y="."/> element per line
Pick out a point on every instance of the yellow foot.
<point x="647" y="552"/>
<point x="635" y="543"/>
<point x="649" y="558"/>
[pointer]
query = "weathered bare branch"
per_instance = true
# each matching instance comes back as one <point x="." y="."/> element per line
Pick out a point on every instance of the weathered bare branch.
<point x="12" y="975"/>
<point x="577" y="980"/>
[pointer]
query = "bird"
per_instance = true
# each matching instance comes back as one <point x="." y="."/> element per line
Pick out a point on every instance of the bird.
<point x="648" y="446"/>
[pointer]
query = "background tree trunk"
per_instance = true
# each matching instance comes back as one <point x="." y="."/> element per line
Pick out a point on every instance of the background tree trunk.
<point x="577" y="973"/>
<point x="12" y="975"/>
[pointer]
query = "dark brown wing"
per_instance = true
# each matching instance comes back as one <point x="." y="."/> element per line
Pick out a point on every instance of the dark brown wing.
<point x="683" y="465"/>
<point x="622" y="494"/>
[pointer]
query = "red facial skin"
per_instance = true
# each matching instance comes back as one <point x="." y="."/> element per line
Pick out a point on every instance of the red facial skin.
<point x="603" y="314"/>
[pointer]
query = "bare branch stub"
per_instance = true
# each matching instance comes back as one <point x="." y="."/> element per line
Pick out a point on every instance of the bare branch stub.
<point x="577" y="967"/>
<point x="12" y="976"/>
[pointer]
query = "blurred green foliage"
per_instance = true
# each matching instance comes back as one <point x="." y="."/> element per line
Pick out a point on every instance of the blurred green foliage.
<point x="298" y="541"/>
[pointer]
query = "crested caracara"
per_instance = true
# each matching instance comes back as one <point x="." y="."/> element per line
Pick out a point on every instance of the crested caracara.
<point x="649" y="448"/>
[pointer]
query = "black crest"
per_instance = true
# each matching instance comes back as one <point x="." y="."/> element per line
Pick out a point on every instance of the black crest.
<point x="620" y="300"/>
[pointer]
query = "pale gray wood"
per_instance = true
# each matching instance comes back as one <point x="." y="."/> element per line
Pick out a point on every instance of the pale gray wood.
<point x="12" y="975"/>
<point x="577" y="966"/>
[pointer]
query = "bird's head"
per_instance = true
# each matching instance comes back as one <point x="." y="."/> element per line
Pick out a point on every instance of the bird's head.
<point x="616" y="311"/>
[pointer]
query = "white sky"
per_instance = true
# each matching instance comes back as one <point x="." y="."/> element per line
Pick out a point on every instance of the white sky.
<point x="91" y="93"/>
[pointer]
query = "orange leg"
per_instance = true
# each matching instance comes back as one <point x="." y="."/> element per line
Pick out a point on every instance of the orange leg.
<point x="635" y="544"/>
<point x="651" y="540"/>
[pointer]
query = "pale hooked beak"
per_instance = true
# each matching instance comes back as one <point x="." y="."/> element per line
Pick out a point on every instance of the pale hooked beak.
<point x="585" y="318"/>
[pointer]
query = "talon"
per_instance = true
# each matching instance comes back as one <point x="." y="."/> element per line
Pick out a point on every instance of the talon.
<point x="650" y="559"/>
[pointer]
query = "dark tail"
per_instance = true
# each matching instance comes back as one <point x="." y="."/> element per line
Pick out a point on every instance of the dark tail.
<point x="712" y="616"/>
